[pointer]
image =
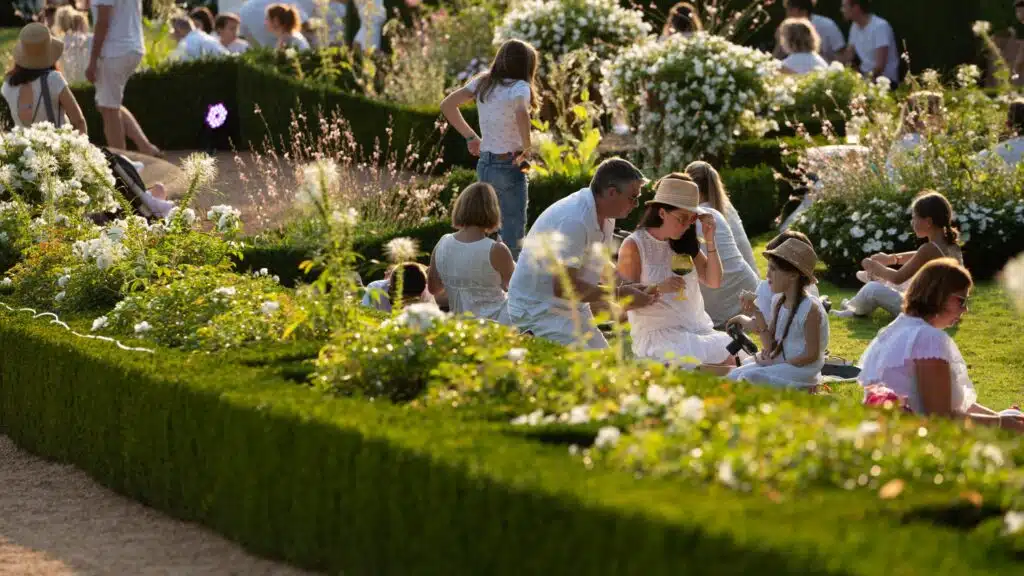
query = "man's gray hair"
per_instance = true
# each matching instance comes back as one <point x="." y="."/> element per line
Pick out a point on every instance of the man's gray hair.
<point x="615" y="173"/>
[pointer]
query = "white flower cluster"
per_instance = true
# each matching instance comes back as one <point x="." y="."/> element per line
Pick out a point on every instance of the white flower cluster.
<point x="420" y="316"/>
<point x="228" y="219"/>
<point x="401" y="249"/>
<point x="188" y="216"/>
<point x="671" y="403"/>
<point x="556" y="27"/>
<point x="104" y="250"/>
<point x="58" y="167"/>
<point x="317" y="181"/>
<point x="695" y="95"/>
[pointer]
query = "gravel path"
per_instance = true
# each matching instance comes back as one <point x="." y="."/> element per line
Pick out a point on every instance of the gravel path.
<point x="55" y="520"/>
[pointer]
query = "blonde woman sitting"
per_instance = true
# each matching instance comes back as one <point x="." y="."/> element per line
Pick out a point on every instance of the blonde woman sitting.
<point x="675" y="326"/>
<point x="932" y="220"/>
<point x="915" y="360"/>
<point x="738" y="266"/>
<point x="471" y="268"/>
<point x="801" y="43"/>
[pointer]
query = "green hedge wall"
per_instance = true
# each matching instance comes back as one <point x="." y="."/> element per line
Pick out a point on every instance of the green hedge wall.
<point x="354" y="487"/>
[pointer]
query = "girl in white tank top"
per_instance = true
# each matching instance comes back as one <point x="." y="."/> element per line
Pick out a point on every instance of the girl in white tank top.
<point x="469" y="267"/>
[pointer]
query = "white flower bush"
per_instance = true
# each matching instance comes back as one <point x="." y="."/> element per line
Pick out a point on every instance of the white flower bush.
<point x="556" y="27"/>
<point x="693" y="96"/>
<point x="55" y="167"/>
<point x="227" y="220"/>
<point x="836" y="91"/>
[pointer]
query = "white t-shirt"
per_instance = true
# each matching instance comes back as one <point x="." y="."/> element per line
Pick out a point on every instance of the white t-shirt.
<point x="804" y="62"/>
<point x="199" y="44"/>
<point x="832" y="40"/>
<point x="238" y="46"/>
<point x="55" y="84"/>
<point x="1011" y="151"/>
<point x="498" y="129"/>
<point x="531" y="292"/>
<point x="867" y="40"/>
<point x="372" y="16"/>
<point x="125" y="34"/>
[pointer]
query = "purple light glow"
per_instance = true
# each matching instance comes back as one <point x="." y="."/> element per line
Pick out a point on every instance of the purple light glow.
<point x="216" y="115"/>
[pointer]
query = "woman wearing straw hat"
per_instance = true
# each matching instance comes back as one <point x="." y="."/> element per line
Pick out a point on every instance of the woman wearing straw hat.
<point x="34" y="90"/>
<point x="675" y="327"/>
<point x="796" y="338"/>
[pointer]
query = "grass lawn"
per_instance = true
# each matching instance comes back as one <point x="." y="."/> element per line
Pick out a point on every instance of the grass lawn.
<point x="7" y="38"/>
<point x="989" y="337"/>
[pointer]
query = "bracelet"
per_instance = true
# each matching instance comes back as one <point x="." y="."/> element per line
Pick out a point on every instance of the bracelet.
<point x="471" y="138"/>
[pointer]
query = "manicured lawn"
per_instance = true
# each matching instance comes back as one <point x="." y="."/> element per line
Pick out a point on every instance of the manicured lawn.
<point x="989" y="337"/>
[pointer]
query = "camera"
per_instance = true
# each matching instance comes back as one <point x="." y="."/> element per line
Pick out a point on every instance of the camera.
<point x="740" y="341"/>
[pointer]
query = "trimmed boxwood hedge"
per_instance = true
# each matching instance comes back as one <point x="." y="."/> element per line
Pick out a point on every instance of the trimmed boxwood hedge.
<point x="351" y="486"/>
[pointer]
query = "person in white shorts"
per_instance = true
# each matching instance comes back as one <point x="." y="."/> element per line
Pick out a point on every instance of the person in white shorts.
<point x="117" y="50"/>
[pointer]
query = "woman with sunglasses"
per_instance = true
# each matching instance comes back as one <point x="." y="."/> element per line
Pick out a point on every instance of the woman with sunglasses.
<point x="914" y="360"/>
<point x="675" y="327"/>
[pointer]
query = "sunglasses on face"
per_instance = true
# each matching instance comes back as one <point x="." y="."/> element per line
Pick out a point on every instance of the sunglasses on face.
<point x="683" y="221"/>
<point x="964" y="299"/>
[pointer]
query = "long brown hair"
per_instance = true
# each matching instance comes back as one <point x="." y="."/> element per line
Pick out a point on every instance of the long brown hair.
<point x="286" y="15"/>
<point x="934" y="206"/>
<point x="516" y="60"/>
<point x="932" y="286"/>
<point x="802" y="283"/>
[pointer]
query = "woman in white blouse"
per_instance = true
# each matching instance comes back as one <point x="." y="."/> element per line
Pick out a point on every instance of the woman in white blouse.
<point x="738" y="264"/>
<point x="801" y="42"/>
<point x="914" y="358"/>
<point x="469" y="267"/>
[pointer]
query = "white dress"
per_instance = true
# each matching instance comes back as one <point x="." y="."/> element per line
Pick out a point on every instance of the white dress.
<point x="890" y="358"/>
<point x="723" y="303"/>
<point x="673" y="328"/>
<point x="471" y="282"/>
<point x="784" y="375"/>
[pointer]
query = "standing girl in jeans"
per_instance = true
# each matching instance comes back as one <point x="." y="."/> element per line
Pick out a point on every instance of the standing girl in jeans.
<point x="505" y="96"/>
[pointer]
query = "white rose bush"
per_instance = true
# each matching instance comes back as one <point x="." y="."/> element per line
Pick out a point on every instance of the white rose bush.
<point x="557" y="27"/>
<point x="695" y="96"/>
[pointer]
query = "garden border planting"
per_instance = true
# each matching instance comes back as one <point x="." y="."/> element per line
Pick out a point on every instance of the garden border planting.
<point x="371" y="488"/>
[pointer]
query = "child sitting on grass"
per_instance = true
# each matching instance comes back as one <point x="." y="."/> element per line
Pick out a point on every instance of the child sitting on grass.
<point x="794" y="342"/>
<point x="381" y="293"/>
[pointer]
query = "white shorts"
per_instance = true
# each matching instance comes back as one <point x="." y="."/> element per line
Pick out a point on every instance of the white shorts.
<point x="112" y="76"/>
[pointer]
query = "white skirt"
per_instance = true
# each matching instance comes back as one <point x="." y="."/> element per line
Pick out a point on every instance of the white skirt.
<point x="679" y="345"/>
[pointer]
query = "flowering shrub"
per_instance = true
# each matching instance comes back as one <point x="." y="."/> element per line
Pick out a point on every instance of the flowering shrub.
<point x="15" y="232"/>
<point x="55" y="167"/>
<point x="203" y="308"/>
<point x="692" y="96"/>
<point x="831" y="92"/>
<point x="779" y="446"/>
<point x="396" y="360"/>
<point x="556" y="27"/>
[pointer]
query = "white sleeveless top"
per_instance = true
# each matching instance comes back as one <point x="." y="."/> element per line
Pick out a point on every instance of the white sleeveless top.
<point x="669" y="311"/>
<point x="55" y="84"/>
<point x="890" y="358"/>
<point x="472" y="284"/>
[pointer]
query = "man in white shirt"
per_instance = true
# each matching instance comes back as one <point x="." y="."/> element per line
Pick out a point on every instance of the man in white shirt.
<point x="117" y="50"/>
<point x="872" y="41"/>
<point x="832" y="41"/>
<point x="226" y="26"/>
<point x="194" y="44"/>
<point x="564" y="236"/>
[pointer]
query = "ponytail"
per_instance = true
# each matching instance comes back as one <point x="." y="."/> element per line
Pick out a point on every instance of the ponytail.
<point x="952" y="235"/>
<point x="709" y="182"/>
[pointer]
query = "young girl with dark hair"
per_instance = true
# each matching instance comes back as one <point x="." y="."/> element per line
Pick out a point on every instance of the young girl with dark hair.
<point x="932" y="220"/>
<point x="505" y="97"/>
<point x="676" y="327"/>
<point x="794" y="342"/>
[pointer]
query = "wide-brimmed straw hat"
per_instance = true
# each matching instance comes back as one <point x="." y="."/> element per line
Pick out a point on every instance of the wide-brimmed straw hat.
<point x="799" y="254"/>
<point x="36" y="49"/>
<point x="678" y="194"/>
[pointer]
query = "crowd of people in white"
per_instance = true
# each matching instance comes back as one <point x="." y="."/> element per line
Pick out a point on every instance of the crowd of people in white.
<point x="684" y="273"/>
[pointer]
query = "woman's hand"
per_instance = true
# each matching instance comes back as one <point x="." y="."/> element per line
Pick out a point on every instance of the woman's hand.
<point x="744" y="322"/>
<point x="748" y="302"/>
<point x="871" y="266"/>
<point x="884" y="259"/>
<point x="707" y="223"/>
<point x="764" y="358"/>
<point x="474" y="146"/>
<point x="671" y="285"/>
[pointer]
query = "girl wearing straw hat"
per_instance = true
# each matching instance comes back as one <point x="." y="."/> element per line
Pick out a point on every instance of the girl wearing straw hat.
<point x="675" y="327"/>
<point x="34" y="90"/>
<point x="795" y="340"/>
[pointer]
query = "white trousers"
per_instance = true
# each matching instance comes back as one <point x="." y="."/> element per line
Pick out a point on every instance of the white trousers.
<point x="876" y="295"/>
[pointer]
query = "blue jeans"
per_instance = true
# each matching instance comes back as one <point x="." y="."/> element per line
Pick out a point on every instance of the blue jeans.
<point x="511" y="185"/>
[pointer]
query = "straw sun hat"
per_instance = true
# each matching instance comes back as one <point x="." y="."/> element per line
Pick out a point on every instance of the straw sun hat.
<point x="36" y="49"/>
<point x="799" y="254"/>
<point x="678" y="194"/>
